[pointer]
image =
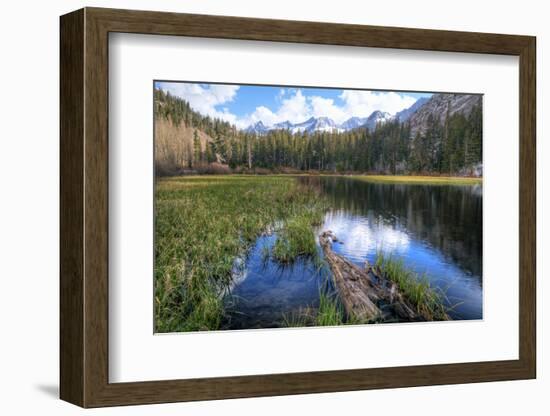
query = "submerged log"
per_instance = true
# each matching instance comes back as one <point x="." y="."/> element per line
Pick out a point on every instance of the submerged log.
<point x="365" y="293"/>
<point x="350" y="282"/>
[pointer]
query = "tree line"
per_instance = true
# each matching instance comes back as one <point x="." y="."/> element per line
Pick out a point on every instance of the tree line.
<point x="445" y="145"/>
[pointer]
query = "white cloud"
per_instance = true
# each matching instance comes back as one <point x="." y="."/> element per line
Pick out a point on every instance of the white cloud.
<point x="263" y="114"/>
<point x="325" y="107"/>
<point x="293" y="105"/>
<point x="297" y="107"/>
<point x="363" y="103"/>
<point x="204" y="99"/>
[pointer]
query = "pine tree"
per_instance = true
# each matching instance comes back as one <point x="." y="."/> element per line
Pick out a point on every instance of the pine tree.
<point x="197" y="150"/>
<point x="445" y="145"/>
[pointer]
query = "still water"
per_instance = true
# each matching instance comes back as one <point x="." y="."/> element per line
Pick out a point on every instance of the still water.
<point x="435" y="229"/>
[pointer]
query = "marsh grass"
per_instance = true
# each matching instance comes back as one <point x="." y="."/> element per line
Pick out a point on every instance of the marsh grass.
<point x="299" y="318"/>
<point x="427" y="300"/>
<point x="296" y="239"/>
<point x="202" y="224"/>
<point x="331" y="311"/>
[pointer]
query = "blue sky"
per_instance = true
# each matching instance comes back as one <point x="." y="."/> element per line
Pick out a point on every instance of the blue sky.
<point x="244" y="105"/>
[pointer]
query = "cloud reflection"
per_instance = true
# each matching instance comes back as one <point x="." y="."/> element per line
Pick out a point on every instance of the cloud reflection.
<point x="362" y="237"/>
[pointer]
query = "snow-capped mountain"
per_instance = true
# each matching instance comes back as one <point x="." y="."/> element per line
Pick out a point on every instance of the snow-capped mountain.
<point x="309" y="126"/>
<point x="353" y="123"/>
<point x="257" y="128"/>
<point x="377" y="117"/>
<point x="369" y="122"/>
<point x="285" y="125"/>
<point x="315" y="124"/>
<point x="326" y="124"/>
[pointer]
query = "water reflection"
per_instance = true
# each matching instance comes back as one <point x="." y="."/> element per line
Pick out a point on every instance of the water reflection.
<point x="449" y="218"/>
<point x="364" y="235"/>
<point x="436" y="230"/>
<point x="268" y="293"/>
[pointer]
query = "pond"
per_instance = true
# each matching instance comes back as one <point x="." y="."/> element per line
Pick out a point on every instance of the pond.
<point x="435" y="229"/>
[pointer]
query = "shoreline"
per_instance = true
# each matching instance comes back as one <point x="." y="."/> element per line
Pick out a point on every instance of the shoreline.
<point x="396" y="179"/>
<point x="224" y="215"/>
<point x="421" y="180"/>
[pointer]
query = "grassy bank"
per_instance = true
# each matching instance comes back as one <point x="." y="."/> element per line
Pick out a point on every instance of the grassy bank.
<point x="419" y="180"/>
<point x="417" y="289"/>
<point x="204" y="223"/>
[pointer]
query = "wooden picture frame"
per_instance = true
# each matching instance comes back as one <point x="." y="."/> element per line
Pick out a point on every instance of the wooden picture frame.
<point x="84" y="207"/>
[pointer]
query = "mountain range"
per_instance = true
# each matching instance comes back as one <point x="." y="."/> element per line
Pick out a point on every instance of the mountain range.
<point x="325" y="124"/>
<point x="438" y="105"/>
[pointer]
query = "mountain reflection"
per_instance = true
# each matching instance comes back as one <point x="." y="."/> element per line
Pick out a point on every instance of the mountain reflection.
<point x="447" y="217"/>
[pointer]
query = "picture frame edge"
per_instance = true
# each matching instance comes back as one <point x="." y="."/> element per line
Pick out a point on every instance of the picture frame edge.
<point x="84" y="219"/>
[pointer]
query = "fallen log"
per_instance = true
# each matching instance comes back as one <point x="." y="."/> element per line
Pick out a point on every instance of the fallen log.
<point x="350" y="282"/>
<point x="365" y="293"/>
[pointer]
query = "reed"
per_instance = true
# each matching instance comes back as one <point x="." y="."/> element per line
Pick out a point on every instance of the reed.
<point x="203" y="224"/>
<point x="427" y="300"/>
<point x="296" y="239"/>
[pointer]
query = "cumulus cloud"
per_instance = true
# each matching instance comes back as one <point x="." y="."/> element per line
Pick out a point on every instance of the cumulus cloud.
<point x="297" y="107"/>
<point x="292" y="104"/>
<point x="263" y="114"/>
<point x="325" y="107"/>
<point x="204" y="98"/>
<point x="363" y="103"/>
<point x="294" y="107"/>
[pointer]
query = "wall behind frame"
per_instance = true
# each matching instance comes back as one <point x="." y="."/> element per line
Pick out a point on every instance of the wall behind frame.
<point x="29" y="169"/>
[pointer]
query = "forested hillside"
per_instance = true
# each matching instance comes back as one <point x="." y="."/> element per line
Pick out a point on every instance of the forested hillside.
<point x="443" y="136"/>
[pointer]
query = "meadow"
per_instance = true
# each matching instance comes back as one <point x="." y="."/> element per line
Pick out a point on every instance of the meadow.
<point x="204" y="227"/>
<point x="203" y="224"/>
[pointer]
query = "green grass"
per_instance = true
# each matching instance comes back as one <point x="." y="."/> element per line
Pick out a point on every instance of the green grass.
<point x="203" y="223"/>
<point x="296" y="237"/>
<point x="300" y="318"/>
<point x="419" y="180"/>
<point x="427" y="300"/>
<point x="329" y="313"/>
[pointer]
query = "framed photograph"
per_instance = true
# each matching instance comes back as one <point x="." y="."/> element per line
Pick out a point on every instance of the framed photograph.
<point x="255" y="207"/>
